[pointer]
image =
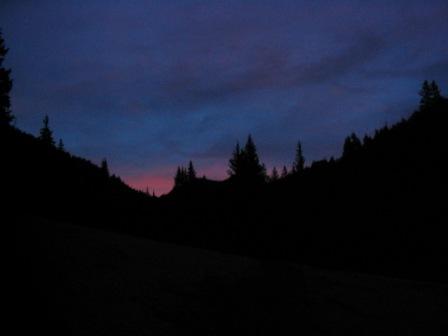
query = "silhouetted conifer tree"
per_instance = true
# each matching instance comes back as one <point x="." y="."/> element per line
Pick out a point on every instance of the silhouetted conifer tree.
<point x="429" y="93"/>
<point x="274" y="175"/>
<point x="61" y="145"/>
<point x="177" y="177"/>
<point x="284" y="172"/>
<point x="299" y="161"/>
<point x="235" y="161"/>
<point x="46" y="135"/>
<point x="6" y="116"/>
<point x="367" y="140"/>
<point x="245" y="164"/>
<point x="184" y="175"/>
<point x="352" y="145"/>
<point x="105" y="168"/>
<point x="435" y="91"/>
<point x="191" y="172"/>
<point x="181" y="177"/>
<point x="425" y="94"/>
<point x="253" y="169"/>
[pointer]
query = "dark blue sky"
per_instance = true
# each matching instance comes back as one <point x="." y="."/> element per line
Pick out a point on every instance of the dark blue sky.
<point x="152" y="84"/>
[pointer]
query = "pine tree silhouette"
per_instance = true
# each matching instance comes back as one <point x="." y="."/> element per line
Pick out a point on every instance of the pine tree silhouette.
<point x="6" y="116"/>
<point x="46" y="135"/>
<point x="181" y="177"/>
<point x="425" y="94"/>
<point x="252" y="168"/>
<point x="274" y="175"/>
<point x="299" y="161"/>
<point x="352" y="145"/>
<point x="177" y="178"/>
<point x="105" y="168"/>
<point x="235" y="161"/>
<point x="245" y="165"/>
<point x="435" y="91"/>
<point x="430" y="94"/>
<point x="284" y="172"/>
<point x="61" y="145"/>
<point x="191" y="172"/>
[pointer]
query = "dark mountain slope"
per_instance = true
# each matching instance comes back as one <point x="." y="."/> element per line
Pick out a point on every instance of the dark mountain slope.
<point x="379" y="208"/>
<point x="40" y="179"/>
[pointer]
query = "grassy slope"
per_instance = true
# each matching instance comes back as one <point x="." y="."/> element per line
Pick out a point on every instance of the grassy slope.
<point x="80" y="281"/>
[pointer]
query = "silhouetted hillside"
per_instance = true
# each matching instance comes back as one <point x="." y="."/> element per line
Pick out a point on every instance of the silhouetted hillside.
<point x="379" y="208"/>
<point x="40" y="179"/>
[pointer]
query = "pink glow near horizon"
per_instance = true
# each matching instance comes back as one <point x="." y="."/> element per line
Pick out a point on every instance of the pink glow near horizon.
<point x="159" y="182"/>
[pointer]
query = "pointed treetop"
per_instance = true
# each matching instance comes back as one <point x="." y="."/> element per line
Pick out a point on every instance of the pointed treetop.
<point x="235" y="161"/>
<point x="284" y="172"/>
<point x="299" y="161"/>
<point x="274" y="175"/>
<point x="429" y="93"/>
<point x="352" y="145"/>
<point x="46" y="134"/>
<point x="191" y="172"/>
<point x="435" y="91"/>
<point x="181" y="177"/>
<point x="61" y="145"/>
<point x="250" y="148"/>
<point x="245" y="164"/>
<point x="105" y="167"/>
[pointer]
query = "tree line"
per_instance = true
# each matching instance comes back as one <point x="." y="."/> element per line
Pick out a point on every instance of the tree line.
<point x="245" y="166"/>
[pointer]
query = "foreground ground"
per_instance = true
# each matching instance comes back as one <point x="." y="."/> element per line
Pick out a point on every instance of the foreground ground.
<point x="77" y="281"/>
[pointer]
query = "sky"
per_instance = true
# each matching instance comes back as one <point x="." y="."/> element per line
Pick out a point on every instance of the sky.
<point x="150" y="85"/>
